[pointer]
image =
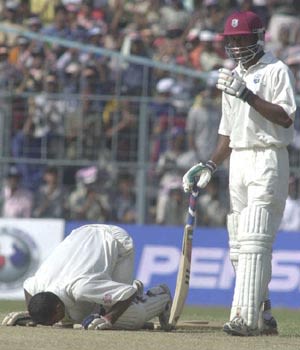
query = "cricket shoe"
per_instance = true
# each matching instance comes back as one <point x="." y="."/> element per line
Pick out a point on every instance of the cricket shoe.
<point x="139" y="288"/>
<point x="269" y="327"/>
<point x="238" y="327"/>
<point x="165" y="315"/>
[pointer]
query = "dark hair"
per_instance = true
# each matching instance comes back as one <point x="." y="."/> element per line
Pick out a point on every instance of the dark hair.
<point x="51" y="170"/>
<point x="60" y="8"/>
<point x="42" y="307"/>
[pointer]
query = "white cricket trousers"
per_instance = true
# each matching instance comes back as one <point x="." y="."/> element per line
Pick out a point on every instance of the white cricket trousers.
<point x="258" y="187"/>
<point x="259" y="177"/>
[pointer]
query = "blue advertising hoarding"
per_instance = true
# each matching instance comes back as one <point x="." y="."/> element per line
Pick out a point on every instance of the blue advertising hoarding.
<point x="158" y="251"/>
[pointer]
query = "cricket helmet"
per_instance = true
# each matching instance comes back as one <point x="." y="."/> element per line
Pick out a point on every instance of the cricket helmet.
<point x="240" y="24"/>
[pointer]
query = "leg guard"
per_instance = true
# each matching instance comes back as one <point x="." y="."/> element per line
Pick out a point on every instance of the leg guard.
<point x="256" y="235"/>
<point x="232" y="227"/>
<point x="133" y="318"/>
<point x="152" y="305"/>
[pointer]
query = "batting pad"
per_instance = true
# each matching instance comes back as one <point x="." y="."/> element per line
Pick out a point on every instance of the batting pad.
<point x="254" y="270"/>
<point x="232" y="228"/>
<point x="140" y="312"/>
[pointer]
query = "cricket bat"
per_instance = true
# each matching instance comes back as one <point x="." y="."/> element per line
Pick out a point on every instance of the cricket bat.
<point x="183" y="275"/>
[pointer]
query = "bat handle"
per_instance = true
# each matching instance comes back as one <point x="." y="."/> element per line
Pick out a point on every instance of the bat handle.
<point x="192" y="206"/>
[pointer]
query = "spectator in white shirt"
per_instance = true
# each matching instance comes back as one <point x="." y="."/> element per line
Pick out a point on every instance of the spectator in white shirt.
<point x="291" y="215"/>
<point x="17" y="201"/>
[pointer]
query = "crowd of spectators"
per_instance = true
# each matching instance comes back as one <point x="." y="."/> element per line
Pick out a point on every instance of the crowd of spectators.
<point x="66" y="103"/>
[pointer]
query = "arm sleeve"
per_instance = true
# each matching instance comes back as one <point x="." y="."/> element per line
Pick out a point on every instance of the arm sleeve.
<point x="226" y="120"/>
<point x="283" y="91"/>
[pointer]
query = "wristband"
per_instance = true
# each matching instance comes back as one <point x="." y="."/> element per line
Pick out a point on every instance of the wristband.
<point x="211" y="165"/>
<point x="246" y="94"/>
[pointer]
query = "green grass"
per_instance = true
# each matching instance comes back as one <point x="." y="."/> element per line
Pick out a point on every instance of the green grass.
<point x="23" y="338"/>
<point x="10" y="305"/>
<point x="288" y="320"/>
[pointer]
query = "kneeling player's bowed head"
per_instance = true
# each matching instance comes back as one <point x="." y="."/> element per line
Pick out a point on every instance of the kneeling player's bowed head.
<point x="46" y="308"/>
<point x="244" y="36"/>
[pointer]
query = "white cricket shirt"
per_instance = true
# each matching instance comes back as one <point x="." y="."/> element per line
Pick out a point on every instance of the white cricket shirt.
<point x="80" y="269"/>
<point x="271" y="80"/>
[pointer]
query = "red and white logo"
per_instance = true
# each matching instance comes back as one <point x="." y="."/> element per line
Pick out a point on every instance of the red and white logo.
<point x="107" y="299"/>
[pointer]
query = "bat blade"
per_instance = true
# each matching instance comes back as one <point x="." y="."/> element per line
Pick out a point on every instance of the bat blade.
<point x="183" y="276"/>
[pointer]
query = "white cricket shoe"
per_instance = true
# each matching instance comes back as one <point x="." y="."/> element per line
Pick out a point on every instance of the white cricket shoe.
<point x="165" y="315"/>
<point x="237" y="326"/>
<point x="139" y="288"/>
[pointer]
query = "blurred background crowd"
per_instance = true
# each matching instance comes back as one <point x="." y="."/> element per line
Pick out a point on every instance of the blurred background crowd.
<point x="95" y="126"/>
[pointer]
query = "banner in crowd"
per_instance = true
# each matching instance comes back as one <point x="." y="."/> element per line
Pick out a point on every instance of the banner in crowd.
<point x="24" y="244"/>
<point x="158" y="250"/>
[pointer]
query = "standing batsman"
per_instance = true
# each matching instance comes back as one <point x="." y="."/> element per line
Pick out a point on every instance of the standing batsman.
<point x="258" y="110"/>
<point x="88" y="279"/>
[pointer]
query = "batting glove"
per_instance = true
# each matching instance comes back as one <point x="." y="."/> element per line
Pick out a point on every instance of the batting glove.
<point x="96" y="322"/>
<point x="204" y="172"/>
<point x="188" y="179"/>
<point x="18" y="318"/>
<point x="232" y="84"/>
